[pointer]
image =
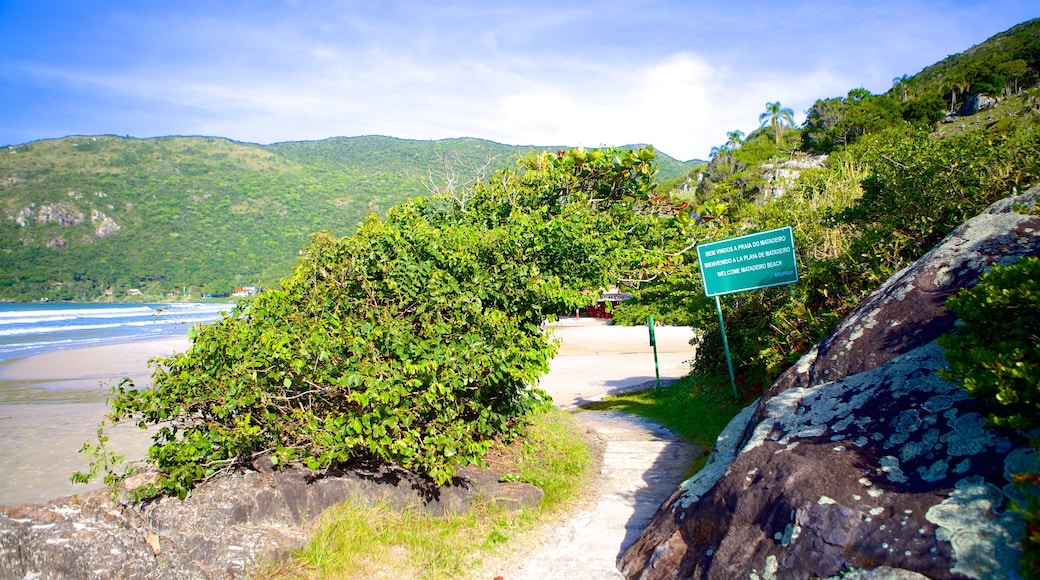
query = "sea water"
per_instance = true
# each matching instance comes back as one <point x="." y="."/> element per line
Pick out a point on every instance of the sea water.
<point x="32" y="328"/>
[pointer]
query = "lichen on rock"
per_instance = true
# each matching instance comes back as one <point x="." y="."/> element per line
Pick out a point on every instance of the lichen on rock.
<point x="861" y="460"/>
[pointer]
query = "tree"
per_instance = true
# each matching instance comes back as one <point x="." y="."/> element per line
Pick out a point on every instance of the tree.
<point x="454" y="178"/>
<point x="777" y="117"/>
<point x="415" y="341"/>
<point x="955" y="84"/>
<point x="902" y="85"/>
<point x="733" y="140"/>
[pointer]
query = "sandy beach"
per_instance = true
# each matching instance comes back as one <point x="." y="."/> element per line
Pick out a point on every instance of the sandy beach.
<point x="51" y="403"/>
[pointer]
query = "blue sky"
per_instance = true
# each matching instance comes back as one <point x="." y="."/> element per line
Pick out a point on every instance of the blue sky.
<point x="674" y="73"/>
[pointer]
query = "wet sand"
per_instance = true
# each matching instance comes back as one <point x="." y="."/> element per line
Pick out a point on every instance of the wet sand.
<point x="51" y="403"/>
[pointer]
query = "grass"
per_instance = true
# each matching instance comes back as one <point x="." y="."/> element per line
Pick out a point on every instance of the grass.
<point x="359" y="539"/>
<point x="694" y="409"/>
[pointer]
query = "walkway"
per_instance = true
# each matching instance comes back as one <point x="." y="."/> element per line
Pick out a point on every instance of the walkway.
<point x="642" y="463"/>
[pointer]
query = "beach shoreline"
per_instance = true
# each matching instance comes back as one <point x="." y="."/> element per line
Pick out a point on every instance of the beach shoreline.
<point x="51" y="403"/>
<point x="73" y="367"/>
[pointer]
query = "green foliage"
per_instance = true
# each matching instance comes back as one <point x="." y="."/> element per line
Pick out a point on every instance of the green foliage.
<point x="195" y="213"/>
<point x="1003" y="65"/>
<point x="767" y="329"/>
<point x="414" y="341"/>
<point x="358" y="539"/>
<point x="734" y="174"/>
<point x="925" y="111"/>
<point x="921" y="188"/>
<point x="778" y="118"/>
<point x="995" y="351"/>
<point x="834" y="123"/>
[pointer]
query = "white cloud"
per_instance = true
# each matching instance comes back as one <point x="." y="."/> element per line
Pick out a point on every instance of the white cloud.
<point x="672" y="74"/>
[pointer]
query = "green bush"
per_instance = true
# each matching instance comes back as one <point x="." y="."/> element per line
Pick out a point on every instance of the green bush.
<point x="995" y="352"/>
<point x="415" y="341"/>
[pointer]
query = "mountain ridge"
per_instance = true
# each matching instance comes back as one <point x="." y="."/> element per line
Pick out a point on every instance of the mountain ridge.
<point x="85" y="217"/>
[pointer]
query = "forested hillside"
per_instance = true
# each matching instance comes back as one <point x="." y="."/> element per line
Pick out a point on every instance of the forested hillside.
<point x="82" y="216"/>
<point x="869" y="183"/>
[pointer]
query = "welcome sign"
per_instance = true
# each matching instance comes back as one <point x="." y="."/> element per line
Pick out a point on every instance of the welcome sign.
<point x="750" y="262"/>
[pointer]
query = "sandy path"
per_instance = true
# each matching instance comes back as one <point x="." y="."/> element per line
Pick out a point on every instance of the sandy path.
<point x="597" y="359"/>
<point x="642" y="463"/>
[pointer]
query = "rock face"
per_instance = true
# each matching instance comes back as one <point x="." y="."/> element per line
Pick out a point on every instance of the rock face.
<point x="780" y="177"/>
<point x="975" y="103"/>
<point x="860" y="457"/>
<point x="223" y="528"/>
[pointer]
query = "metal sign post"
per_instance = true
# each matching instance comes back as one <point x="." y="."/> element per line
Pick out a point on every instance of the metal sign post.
<point x="653" y="343"/>
<point x="759" y="260"/>
<point x="725" y="346"/>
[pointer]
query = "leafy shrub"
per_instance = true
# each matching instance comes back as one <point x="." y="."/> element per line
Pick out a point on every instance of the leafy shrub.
<point x="838" y="122"/>
<point x="415" y="341"/>
<point x="995" y="352"/>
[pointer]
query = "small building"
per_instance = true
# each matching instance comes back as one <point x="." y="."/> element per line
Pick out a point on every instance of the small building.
<point x="603" y="306"/>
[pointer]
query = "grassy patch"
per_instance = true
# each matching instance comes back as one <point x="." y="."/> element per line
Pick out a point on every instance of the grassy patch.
<point x="693" y="409"/>
<point x="360" y="539"/>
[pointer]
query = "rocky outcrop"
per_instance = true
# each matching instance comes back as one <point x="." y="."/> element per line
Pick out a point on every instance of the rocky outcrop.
<point x="974" y="104"/>
<point x="781" y="176"/>
<point x="60" y="213"/>
<point x="223" y="528"/>
<point x="860" y="457"/>
<point x="104" y="225"/>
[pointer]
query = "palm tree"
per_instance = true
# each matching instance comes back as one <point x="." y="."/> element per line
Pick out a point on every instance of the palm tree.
<point x="777" y="117"/>
<point x="733" y="140"/>
<point x="954" y="84"/>
<point x="902" y="84"/>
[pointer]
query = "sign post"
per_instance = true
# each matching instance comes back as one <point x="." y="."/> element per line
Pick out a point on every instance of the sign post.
<point x="653" y="343"/>
<point x="759" y="260"/>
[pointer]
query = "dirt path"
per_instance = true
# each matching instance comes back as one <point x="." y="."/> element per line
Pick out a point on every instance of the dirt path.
<point x="641" y="465"/>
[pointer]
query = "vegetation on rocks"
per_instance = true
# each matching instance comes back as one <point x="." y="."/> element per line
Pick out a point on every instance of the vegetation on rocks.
<point x="995" y="354"/>
<point x="359" y="539"/>
<point x="893" y="181"/>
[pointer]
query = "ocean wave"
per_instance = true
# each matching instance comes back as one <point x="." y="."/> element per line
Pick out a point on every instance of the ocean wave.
<point x="54" y="329"/>
<point x="57" y="315"/>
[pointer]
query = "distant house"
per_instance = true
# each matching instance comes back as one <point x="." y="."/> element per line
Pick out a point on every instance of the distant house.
<point x="603" y="306"/>
<point x="243" y="291"/>
<point x="133" y="292"/>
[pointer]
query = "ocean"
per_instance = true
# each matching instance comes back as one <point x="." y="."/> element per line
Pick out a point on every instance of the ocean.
<point x="33" y="328"/>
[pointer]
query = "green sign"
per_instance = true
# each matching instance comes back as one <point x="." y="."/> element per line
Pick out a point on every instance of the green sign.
<point x="750" y="262"/>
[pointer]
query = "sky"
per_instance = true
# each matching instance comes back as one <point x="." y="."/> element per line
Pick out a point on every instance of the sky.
<point x="678" y="74"/>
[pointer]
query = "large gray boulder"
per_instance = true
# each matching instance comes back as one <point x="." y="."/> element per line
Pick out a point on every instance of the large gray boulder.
<point x="860" y="458"/>
<point x="224" y="528"/>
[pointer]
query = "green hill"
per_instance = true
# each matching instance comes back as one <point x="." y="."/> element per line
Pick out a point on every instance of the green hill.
<point x="82" y="215"/>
